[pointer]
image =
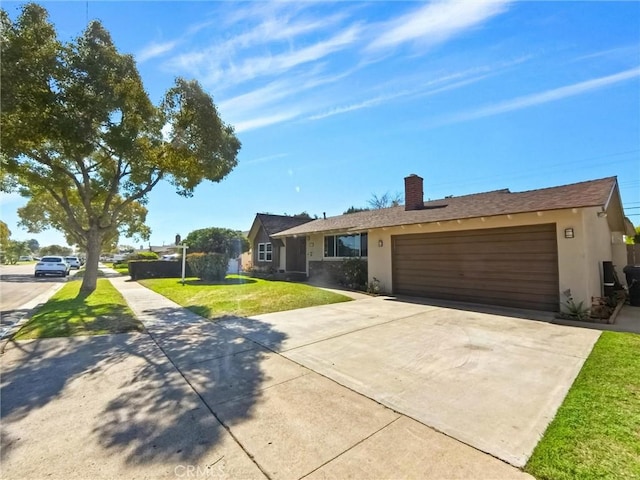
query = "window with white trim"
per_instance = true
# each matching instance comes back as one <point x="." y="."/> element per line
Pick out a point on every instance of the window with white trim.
<point x="354" y="245"/>
<point x="265" y="252"/>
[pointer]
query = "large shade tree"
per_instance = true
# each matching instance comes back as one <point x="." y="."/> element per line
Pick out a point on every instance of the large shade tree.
<point x="5" y="234"/>
<point x="217" y="240"/>
<point x="83" y="141"/>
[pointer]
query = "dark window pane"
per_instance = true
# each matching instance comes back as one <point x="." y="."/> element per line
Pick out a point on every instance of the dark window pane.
<point x="364" y="241"/>
<point x="330" y="246"/>
<point x="348" y="246"/>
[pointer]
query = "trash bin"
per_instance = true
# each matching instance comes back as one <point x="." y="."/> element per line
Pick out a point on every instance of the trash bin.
<point x="632" y="272"/>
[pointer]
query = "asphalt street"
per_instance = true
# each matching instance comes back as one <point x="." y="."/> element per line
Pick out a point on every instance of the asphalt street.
<point x="20" y="291"/>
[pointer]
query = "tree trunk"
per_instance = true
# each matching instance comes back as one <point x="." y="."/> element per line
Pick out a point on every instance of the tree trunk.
<point x="94" y="246"/>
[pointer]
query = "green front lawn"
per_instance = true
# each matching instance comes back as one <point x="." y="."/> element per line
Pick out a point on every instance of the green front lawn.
<point x="241" y="296"/>
<point x="68" y="314"/>
<point x="596" y="432"/>
<point x="121" y="268"/>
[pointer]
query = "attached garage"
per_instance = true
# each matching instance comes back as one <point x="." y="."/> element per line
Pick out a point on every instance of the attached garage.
<point x="512" y="266"/>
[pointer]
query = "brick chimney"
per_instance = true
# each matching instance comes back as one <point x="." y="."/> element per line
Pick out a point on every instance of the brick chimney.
<point x="413" y="195"/>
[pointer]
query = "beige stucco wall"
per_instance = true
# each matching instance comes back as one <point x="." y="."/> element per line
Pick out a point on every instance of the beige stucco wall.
<point x="579" y="258"/>
<point x="619" y="254"/>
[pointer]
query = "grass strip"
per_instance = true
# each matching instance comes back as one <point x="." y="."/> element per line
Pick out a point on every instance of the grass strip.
<point x="69" y="313"/>
<point x="596" y="431"/>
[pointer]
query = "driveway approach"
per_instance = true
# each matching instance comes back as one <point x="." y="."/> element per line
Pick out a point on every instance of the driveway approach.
<point x="491" y="380"/>
<point x="193" y="399"/>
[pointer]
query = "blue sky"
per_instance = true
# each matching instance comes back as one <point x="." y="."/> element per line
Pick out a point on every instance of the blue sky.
<point x="336" y="101"/>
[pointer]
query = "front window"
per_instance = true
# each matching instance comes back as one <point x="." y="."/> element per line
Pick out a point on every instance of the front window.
<point x="354" y="245"/>
<point x="265" y="252"/>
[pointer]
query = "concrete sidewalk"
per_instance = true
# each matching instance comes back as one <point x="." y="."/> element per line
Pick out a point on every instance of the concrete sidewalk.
<point x="191" y="397"/>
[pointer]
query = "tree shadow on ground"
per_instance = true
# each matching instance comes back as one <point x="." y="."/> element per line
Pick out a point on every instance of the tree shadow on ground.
<point x="25" y="278"/>
<point x="213" y="283"/>
<point x="476" y="307"/>
<point x="142" y="410"/>
<point x="76" y="316"/>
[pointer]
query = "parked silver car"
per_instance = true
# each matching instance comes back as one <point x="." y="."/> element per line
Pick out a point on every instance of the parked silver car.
<point x="52" y="265"/>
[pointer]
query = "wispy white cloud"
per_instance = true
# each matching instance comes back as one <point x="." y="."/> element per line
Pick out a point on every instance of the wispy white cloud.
<point x="154" y="50"/>
<point x="266" y="44"/>
<point x="626" y="51"/>
<point x="266" y="158"/>
<point x="264" y="121"/>
<point x="543" y="97"/>
<point x="404" y="94"/>
<point x="275" y="64"/>
<point x="274" y="92"/>
<point x="436" y="22"/>
<point x="433" y="86"/>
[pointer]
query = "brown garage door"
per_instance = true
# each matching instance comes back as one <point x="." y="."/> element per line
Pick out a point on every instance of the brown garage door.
<point x="514" y="266"/>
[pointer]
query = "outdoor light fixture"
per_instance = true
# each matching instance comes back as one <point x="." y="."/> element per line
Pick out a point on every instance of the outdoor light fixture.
<point x="568" y="233"/>
<point x="380" y="243"/>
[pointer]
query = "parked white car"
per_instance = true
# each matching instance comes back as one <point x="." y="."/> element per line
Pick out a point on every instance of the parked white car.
<point x="52" y="265"/>
<point x="74" y="262"/>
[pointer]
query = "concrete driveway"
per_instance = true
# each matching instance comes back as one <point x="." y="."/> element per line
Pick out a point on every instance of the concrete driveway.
<point x="491" y="380"/>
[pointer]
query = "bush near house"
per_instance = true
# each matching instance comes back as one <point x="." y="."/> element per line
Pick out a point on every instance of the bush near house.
<point x="354" y="273"/>
<point x="350" y="272"/>
<point x="208" y="266"/>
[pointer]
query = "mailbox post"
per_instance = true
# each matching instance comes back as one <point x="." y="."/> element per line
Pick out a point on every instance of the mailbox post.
<point x="184" y="260"/>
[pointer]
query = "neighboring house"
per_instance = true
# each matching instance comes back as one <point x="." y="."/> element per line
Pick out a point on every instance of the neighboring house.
<point x="270" y="254"/>
<point x="162" y="250"/>
<point x="519" y="249"/>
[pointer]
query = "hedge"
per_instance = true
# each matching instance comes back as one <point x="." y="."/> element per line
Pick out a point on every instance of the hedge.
<point x="139" y="269"/>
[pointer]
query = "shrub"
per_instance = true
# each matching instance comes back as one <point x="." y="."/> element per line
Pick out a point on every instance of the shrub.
<point x="354" y="273"/>
<point x="208" y="266"/>
<point x="143" y="255"/>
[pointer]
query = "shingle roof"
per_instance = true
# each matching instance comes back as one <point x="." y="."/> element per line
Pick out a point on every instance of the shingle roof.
<point x="277" y="223"/>
<point x="499" y="202"/>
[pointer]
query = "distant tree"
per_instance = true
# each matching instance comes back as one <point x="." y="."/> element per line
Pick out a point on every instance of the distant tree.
<point x="13" y="250"/>
<point x="634" y="239"/>
<point x="143" y="255"/>
<point x="81" y="138"/>
<point x="55" y="250"/>
<point x="217" y="240"/>
<point x="353" y="209"/>
<point x="385" y="201"/>
<point x="33" y="245"/>
<point x="5" y="234"/>
<point x="304" y="214"/>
